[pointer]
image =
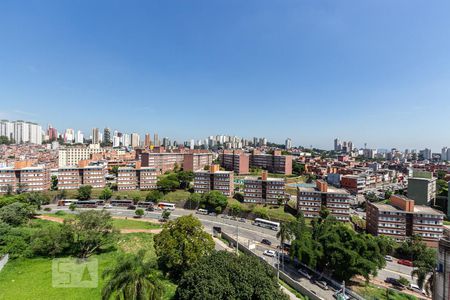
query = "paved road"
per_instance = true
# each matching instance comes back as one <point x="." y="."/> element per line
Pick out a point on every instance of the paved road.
<point x="251" y="234"/>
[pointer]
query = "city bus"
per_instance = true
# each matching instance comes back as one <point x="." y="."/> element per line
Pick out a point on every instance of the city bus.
<point x="165" y="205"/>
<point x="266" y="224"/>
<point x="145" y="204"/>
<point x="87" y="204"/>
<point x="66" y="202"/>
<point x="124" y="203"/>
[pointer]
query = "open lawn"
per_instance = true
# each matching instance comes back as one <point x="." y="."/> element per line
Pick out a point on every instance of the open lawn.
<point x="272" y="212"/>
<point x="371" y="292"/>
<point x="32" y="278"/>
<point x="176" y="196"/>
<point x="118" y="223"/>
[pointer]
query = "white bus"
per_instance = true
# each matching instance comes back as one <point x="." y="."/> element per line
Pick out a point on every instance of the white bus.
<point x="165" y="205"/>
<point x="266" y="224"/>
<point x="66" y="202"/>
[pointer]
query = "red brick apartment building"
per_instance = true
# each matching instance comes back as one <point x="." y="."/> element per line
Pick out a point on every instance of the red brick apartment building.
<point x="235" y="160"/>
<point x="240" y="162"/>
<point x="166" y="161"/>
<point x="138" y="178"/>
<point x="214" y="179"/>
<point x="264" y="190"/>
<point x="402" y="219"/>
<point x="71" y="178"/>
<point x="24" y="176"/>
<point x="311" y="199"/>
<point x="274" y="163"/>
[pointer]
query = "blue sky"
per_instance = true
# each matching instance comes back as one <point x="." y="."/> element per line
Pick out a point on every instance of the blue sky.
<point x="366" y="71"/>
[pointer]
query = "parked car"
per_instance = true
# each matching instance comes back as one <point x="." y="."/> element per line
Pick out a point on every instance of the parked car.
<point x="304" y="273"/>
<point x="323" y="285"/>
<point x="405" y="262"/>
<point x="394" y="282"/>
<point x="213" y="214"/>
<point x="415" y="288"/>
<point x="242" y="220"/>
<point x="131" y="207"/>
<point x="107" y="206"/>
<point x="266" y="242"/>
<point x="269" y="253"/>
<point x="388" y="258"/>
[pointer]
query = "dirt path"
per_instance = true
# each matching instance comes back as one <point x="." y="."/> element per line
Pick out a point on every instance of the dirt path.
<point x="51" y="218"/>
<point x="140" y="230"/>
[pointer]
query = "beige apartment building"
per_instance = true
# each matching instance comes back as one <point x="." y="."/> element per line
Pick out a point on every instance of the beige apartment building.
<point x="214" y="179"/>
<point x="402" y="218"/>
<point x="264" y="190"/>
<point x="310" y="201"/>
<point x="71" y="178"/>
<point x="140" y="178"/>
<point x="71" y="155"/>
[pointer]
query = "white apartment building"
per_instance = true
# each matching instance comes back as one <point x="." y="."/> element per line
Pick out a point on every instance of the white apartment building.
<point x="21" y="131"/>
<point x="70" y="156"/>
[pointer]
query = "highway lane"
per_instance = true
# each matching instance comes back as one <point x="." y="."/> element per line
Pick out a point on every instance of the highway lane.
<point x="250" y="234"/>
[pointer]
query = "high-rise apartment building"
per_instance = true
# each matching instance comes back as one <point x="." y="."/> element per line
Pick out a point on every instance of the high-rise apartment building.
<point x="156" y="140"/>
<point x="135" y="140"/>
<point x="310" y="201"/>
<point x="21" y="132"/>
<point x="79" y="137"/>
<point x="107" y="136"/>
<point x="402" y="218"/>
<point x="214" y="179"/>
<point x="288" y="144"/>
<point x="95" y="136"/>
<point x="264" y="190"/>
<point x="147" y="140"/>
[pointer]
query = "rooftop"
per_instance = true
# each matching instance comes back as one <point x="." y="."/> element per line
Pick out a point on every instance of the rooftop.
<point x="418" y="209"/>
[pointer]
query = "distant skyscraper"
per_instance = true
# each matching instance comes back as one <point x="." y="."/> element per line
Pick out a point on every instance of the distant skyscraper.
<point x="95" y="136"/>
<point x="444" y="154"/>
<point x="288" y="144"/>
<point x="107" y="136"/>
<point x="52" y="133"/>
<point x="156" y="139"/>
<point x="147" y="141"/>
<point x="69" y="135"/>
<point x="135" y="140"/>
<point x="337" y="144"/>
<point x="79" y="137"/>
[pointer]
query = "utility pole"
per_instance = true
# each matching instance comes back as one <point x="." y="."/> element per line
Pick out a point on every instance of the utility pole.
<point x="277" y="254"/>
<point x="237" y="240"/>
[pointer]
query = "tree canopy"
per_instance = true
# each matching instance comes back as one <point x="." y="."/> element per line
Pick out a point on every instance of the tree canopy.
<point x="84" y="192"/>
<point x="224" y="275"/>
<point x="181" y="243"/>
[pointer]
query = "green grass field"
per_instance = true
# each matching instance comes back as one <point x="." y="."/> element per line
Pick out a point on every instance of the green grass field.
<point x="371" y="293"/>
<point x="118" y="223"/>
<point x="32" y="278"/>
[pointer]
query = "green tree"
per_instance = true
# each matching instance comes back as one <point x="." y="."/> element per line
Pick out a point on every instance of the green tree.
<point x="84" y="192"/>
<point x="115" y="170"/>
<point x="62" y="194"/>
<point x="133" y="277"/>
<point x="284" y="234"/>
<point x="50" y="241"/>
<point x="194" y="200"/>
<point x="139" y="212"/>
<point x="185" y="178"/>
<point x="239" y="197"/>
<point x="106" y="193"/>
<point x="16" y="214"/>
<point x="90" y="231"/>
<point x="235" y="208"/>
<point x="224" y="275"/>
<point x="181" y="243"/>
<point x="72" y="206"/>
<point x="166" y="215"/>
<point x="54" y="185"/>
<point x="37" y="199"/>
<point x="154" y="196"/>
<point x="214" y="199"/>
<point x="167" y="185"/>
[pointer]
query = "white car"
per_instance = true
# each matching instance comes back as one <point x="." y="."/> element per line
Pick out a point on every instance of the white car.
<point x="388" y="258"/>
<point x="107" y="206"/>
<point x="415" y="288"/>
<point x="270" y="253"/>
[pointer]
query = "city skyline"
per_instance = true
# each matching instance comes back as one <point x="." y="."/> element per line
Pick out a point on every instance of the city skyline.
<point x="308" y="71"/>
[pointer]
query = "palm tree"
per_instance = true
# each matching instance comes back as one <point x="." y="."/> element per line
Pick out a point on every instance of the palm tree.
<point x="133" y="277"/>
<point x="284" y="234"/>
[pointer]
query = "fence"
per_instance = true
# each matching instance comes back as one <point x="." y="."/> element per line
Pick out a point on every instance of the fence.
<point x="3" y="261"/>
<point x="283" y="276"/>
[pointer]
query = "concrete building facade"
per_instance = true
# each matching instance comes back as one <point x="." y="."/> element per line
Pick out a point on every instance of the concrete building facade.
<point x="214" y="180"/>
<point x="264" y="190"/>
